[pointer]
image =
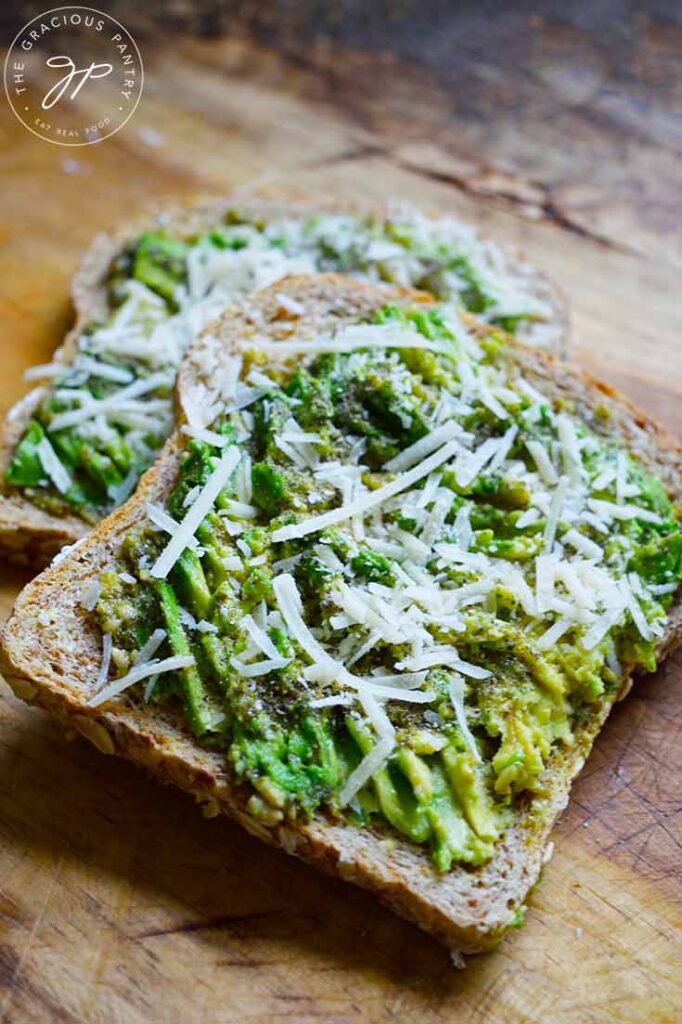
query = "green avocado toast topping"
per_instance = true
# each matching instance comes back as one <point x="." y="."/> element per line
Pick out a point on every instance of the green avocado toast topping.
<point x="107" y="413"/>
<point x="391" y="581"/>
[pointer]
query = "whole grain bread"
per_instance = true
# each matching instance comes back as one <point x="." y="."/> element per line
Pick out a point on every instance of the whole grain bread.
<point x="51" y="651"/>
<point x="30" y="535"/>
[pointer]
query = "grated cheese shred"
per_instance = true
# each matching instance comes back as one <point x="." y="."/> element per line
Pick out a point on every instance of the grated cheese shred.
<point x="184" y="535"/>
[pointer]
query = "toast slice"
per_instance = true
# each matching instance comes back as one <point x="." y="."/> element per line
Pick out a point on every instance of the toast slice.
<point x="35" y="522"/>
<point x="51" y="649"/>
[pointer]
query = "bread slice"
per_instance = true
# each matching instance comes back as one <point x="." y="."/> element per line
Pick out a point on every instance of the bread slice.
<point x="32" y="536"/>
<point x="51" y="652"/>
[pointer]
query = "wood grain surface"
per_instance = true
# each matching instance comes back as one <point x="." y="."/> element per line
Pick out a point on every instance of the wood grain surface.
<point x="118" y="902"/>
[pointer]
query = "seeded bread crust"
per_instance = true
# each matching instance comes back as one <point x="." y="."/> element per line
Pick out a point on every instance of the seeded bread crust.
<point x="50" y="651"/>
<point x="31" y="536"/>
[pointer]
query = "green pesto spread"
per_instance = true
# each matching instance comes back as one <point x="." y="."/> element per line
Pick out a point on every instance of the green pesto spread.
<point x="453" y="638"/>
<point x="106" y="414"/>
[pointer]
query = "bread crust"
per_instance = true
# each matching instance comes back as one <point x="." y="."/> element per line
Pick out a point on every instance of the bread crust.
<point x="32" y="536"/>
<point x="50" y="654"/>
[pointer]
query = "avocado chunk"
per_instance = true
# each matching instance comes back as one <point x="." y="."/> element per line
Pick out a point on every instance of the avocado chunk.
<point x="270" y="491"/>
<point x="372" y="566"/>
<point x="160" y="263"/>
<point x="25" y="468"/>
<point x="196" y="701"/>
<point x="660" y="561"/>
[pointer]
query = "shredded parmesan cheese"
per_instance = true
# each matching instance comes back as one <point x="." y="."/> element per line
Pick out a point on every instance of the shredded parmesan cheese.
<point x="608" y="510"/>
<point x="258" y="668"/>
<point x="420" y="449"/>
<point x="52" y="466"/>
<point x="367" y="501"/>
<point x="149" y="668"/>
<point x="149" y="649"/>
<point x="456" y="690"/>
<point x="103" y="673"/>
<point x="200" y="508"/>
<point x="369" y="765"/>
<point x="543" y="462"/>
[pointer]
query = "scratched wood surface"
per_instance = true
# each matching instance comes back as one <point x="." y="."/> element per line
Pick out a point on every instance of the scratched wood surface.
<point x="118" y="902"/>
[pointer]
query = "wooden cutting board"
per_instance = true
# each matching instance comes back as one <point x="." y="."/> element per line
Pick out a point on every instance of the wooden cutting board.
<point x="118" y="902"/>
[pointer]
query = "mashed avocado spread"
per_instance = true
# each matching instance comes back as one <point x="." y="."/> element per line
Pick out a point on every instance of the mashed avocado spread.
<point x="393" y="582"/>
<point x="106" y="415"/>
